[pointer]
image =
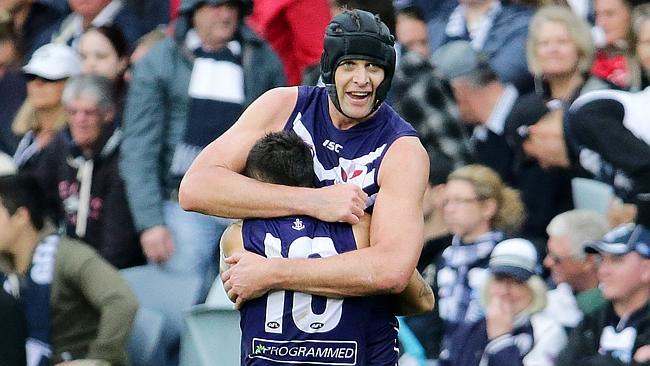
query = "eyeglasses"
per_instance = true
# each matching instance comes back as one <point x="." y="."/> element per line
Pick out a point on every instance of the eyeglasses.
<point x="32" y="77"/>
<point x="460" y="201"/>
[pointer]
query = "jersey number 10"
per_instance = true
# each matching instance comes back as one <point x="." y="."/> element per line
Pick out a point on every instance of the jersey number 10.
<point x="301" y="312"/>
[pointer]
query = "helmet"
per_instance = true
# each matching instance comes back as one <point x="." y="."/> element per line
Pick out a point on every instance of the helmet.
<point x="357" y="34"/>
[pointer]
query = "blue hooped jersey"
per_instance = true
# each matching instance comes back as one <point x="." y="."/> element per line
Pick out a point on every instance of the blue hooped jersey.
<point x="287" y="327"/>
<point x="345" y="156"/>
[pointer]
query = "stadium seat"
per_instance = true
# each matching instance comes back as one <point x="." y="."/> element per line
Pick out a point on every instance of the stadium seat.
<point x="168" y="294"/>
<point x="591" y="194"/>
<point x="211" y="338"/>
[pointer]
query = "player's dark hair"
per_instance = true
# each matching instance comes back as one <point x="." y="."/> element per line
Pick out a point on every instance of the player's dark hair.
<point x="281" y="158"/>
<point x="23" y="191"/>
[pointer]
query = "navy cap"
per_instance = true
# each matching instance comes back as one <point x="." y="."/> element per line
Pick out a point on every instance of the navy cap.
<point x="621" y="240"/>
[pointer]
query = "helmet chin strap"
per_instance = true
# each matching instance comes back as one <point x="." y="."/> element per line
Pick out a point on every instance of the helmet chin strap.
<point x="331" y="91"/>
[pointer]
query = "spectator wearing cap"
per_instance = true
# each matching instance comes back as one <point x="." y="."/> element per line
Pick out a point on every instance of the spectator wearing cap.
<point x="492" y="27"/>
<point x="487" y="103"/>
<point x="41" y="115"/>
<point x="514" y="330"/>
<point x="618" y="333"/>
<point x="572" y="270"/>
<point x="186" y="91"/>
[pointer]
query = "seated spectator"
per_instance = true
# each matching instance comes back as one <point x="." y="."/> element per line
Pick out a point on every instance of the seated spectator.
<point x="615" y="65"/>
<point x="77" y="305"/>
<point x="618" y="333"/>
<point x="95" y="13"/>
<point x="41" y="115"/>
<point x="499" y="31"/>
<point x="514" y="330"/>
<point x="560" y="52"/>
<point x="80" y="174"/>
<point x="104" y="52"/>
<point x="572" y="270"/>
<point x="478" y="210"/>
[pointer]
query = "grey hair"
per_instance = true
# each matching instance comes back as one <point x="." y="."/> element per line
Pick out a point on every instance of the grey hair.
<point x="97" y="87"/>
<point x="580" y="226"/>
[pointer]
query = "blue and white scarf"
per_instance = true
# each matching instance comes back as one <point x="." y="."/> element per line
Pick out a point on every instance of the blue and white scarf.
<point x="216" y="93"/>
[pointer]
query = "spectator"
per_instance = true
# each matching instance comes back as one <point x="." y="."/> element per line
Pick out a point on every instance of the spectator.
<point x="618" y="333"/>
<point x="514" y="330"/>
<point x="41" y="115"/>
<point x="104" y="52"/>
<point x="615" y="63"/>
<point x="478" y="209"/>
<point x="573" y="271"/>
<point x="13" y="86"/>
<point x="411" y="31"/>
<point x="498" y="31"/>
<point x="77" y="305"/>
<point x="560" y="53"/>
<point x="487" y="103"/>
<point x="95" y="13"/>
<point x="426" y="102"/>
<point x="172" y="91"/>
<point x="600" y="117"/>
<point x="80" y="174"/>
<point x="295" y="29"/>
<point x="30" y="20"/>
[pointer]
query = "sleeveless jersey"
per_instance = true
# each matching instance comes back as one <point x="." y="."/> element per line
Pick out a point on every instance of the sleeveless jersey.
<point x="353" y="155"/>
<point x="287" y="327"/>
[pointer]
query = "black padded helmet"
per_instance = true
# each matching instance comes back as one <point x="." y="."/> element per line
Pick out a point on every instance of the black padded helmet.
<point x="357" y="34"/>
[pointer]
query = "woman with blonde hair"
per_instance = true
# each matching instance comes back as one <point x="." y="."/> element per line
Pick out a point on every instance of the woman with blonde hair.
<point x="42" y="114"/>
<point x="514" y="330"/>
<point x="479" y="210"/>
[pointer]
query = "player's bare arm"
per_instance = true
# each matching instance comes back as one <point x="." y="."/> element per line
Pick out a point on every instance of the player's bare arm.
<point x="385" y="267"/>
<point x="418" y="296"/>
<point x="214" y="184"/>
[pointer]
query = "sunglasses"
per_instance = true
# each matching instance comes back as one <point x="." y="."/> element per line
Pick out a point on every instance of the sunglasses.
<point x="32" y="77"/>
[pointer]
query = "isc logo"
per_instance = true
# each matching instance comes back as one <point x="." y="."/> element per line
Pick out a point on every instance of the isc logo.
<point x="331" y="145"/>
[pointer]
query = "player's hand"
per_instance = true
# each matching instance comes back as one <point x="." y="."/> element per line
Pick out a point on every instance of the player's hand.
<point x="499" y="317"/>
<point x="246" y="278"/>
<point x="157" y="244"/>
<point x="339" y="203"/>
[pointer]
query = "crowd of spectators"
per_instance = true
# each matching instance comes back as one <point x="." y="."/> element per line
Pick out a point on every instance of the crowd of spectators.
<point x="106" y="103"/>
